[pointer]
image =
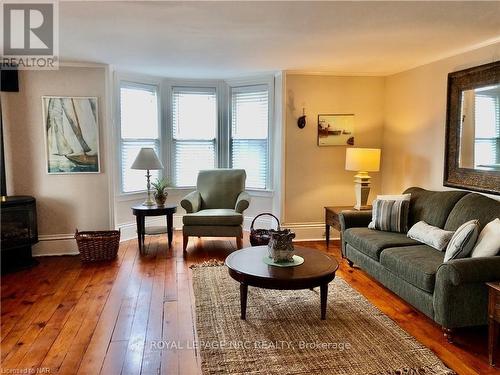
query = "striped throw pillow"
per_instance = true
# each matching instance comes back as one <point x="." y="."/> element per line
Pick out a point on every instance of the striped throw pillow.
<point x="390" y="215"/>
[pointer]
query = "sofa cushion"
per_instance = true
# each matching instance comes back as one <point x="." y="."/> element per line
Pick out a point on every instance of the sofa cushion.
<point x="473" y="207"/>
<point x="217" y="216"/>
<point x="416" y="265"/>
<point x="371" y="242"/>
<point x="433" y="207"/>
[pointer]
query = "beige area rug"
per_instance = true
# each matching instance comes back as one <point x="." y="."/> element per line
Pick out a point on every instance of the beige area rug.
<point x="283" y="333"/>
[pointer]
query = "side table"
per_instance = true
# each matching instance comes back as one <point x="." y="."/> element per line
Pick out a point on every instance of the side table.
<point x="493" y="319"/>
<point x="142" y="211"/>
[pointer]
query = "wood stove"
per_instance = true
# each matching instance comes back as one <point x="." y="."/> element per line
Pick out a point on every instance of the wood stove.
<point x="18" y="232"/>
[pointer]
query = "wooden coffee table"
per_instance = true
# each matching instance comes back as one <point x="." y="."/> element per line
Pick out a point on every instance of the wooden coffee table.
<point x="246" y="267"/>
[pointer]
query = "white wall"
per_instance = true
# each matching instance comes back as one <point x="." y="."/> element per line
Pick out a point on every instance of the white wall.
<point x="415" y="120"/>
<point x="64" y="202"/>
<point x="315" y="176"/>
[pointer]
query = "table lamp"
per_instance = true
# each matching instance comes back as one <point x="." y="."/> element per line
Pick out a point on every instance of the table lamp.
<point x="362" y="160"/>
<point x="147" y="160"/>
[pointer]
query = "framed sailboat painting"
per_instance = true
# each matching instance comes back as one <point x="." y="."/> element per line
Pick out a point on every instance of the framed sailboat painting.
<point x="71" y="134"/>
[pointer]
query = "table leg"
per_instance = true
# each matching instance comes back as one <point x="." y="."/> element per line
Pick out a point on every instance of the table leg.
<point x="243" y="300"/>
<point x="139" y="232"/>
<point x="327" y="234"/>
<point x="170" y="224"/>
<point x="323" y="296"/>
<point x="493" y="331"/>
<point x="143" y="232"/>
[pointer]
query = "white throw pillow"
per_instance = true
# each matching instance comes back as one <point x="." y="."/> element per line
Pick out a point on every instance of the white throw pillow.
<point x="401" y="197"/>
<point x="463" y="241"/>
<point x="430" y="235"/>
<point x="488" y="242"/>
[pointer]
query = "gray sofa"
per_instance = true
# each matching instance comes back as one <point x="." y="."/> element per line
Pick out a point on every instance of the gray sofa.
<point x="453" y="294"/>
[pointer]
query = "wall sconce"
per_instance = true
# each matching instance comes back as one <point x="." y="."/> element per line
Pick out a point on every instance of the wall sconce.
<point x="301" y="122"/>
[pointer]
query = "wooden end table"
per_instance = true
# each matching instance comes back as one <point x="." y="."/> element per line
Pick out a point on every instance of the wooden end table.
<point x="142" y="211"/>
<point x="247" y="267"/>
<point x="493" y="319"/>
<point x="332" y="219"/>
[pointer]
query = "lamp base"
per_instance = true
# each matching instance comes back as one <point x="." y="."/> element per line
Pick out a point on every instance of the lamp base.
<point x="149" y="202"/>
<point x="362" y="190"/>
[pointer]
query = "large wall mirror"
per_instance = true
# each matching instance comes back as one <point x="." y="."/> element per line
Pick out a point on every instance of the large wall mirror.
<point x="473" y="129"/>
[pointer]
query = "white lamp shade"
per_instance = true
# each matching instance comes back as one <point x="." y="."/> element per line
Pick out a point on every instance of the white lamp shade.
<point x="147" y="159"/>
<point x="362" y="159"/>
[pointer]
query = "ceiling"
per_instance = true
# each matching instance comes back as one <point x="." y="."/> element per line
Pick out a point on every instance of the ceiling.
<point x="226" y="39"/>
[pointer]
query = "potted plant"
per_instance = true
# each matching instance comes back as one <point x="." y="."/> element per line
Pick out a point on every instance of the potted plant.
<point x="160" y="192"/>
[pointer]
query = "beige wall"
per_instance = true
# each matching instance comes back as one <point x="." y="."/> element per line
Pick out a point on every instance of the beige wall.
<point x="415" y="118"/>
<point x="315" y="176"/>
<point x="64" y="202"/>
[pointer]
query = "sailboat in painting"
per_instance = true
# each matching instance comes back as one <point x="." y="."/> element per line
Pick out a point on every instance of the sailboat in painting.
<point x="72" y="134"/>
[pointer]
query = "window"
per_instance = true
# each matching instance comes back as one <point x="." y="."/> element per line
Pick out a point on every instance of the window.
<point x="194" y="133"/>
<point x="138" y="128"/>
<point x="249" y="133"/>
<point x="196" y="125"/>
<point x="487" y="137"/>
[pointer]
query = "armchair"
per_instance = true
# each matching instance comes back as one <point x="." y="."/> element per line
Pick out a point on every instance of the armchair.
<point x="215" y="208"/>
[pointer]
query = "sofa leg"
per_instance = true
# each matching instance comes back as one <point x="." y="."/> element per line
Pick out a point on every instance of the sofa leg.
<point x="239" y="242"/>
<point x="185" y="240"/>
<point x="350" y="263"/>
<point x="449" y="334"/>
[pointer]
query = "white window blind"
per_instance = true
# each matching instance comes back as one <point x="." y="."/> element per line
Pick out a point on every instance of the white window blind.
<point x="194" y="132"/>
<point x="249" y="133"/>
<point x="138" y="128"/>
<point x="487" y="127"/>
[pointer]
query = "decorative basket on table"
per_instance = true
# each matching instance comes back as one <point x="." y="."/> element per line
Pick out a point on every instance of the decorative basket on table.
<point x="261" y="237"/>
<point x="95" y="246"/>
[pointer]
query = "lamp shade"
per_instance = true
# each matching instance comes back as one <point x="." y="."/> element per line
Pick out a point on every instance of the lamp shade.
<point x="362" y="159"/>
<point x="147" y="159"/>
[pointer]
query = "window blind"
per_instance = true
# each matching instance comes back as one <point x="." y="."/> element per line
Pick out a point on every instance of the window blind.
<point x="487" y="137"/>
<point x="249" y="133"/>
<point x="138" y="128"/>
<point x="194" y="130"/>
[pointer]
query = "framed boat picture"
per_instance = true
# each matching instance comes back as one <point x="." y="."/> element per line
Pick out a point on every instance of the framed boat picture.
<point x="71" y="134"/>
<point x="336" y="130"/>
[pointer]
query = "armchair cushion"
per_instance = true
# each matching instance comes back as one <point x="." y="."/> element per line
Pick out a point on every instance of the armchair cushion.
<point x="220" y="188"/>
<point x="217" y="216"/>
<point x="242" y="202"/>
<point x="191" y="202"/>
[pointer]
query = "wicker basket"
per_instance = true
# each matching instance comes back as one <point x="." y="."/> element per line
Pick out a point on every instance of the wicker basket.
<point x="261" y="237"/>
<point x="95" y="246"/>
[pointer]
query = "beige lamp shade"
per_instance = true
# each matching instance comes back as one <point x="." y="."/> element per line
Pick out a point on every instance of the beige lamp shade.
<point x="362" y="159"/>
<point x="147" y="160"/>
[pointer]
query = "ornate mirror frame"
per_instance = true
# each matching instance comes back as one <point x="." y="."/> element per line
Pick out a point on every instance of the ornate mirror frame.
<point x="454" y="176"/>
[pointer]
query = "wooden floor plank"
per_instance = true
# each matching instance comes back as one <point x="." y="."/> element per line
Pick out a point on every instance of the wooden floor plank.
<point x="104" y="317"/>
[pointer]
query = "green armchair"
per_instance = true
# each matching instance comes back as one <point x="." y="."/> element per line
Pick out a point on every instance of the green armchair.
<point x="215" y="208"/>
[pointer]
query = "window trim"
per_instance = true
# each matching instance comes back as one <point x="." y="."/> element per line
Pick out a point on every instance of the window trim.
<point x="124" y="82"/>
<point x="246" y="82"/>
<point x="164" y="95"/>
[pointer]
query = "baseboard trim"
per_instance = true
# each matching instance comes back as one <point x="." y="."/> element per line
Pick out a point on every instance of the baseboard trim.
<point x="310" y="231"/>
<point x="55" y="245"/>
<point x="129" y="229"/>
<point x="65" y="244"/>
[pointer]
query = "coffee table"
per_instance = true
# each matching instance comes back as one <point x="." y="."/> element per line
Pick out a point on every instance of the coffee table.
<point x="247" y="267"/>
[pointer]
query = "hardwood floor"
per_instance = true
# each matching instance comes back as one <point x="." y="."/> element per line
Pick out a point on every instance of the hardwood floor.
<point x="65" y="318"/>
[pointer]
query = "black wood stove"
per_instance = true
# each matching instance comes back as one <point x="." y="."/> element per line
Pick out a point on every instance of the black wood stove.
<point x="18" y="232"/>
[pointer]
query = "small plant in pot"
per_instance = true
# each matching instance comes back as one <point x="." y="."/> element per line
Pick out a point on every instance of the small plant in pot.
<point x="160" y="193"/>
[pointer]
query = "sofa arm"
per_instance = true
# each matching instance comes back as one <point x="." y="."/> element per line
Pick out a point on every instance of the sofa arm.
<point x="460" y="293"/>
<point x="353" y="219"/>
<point x="242" y="202"/>
<point x="470" y="270"/>
<point x="191" y="202"/>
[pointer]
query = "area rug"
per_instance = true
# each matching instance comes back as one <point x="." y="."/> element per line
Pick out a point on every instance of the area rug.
<point x="283" y="333"/>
